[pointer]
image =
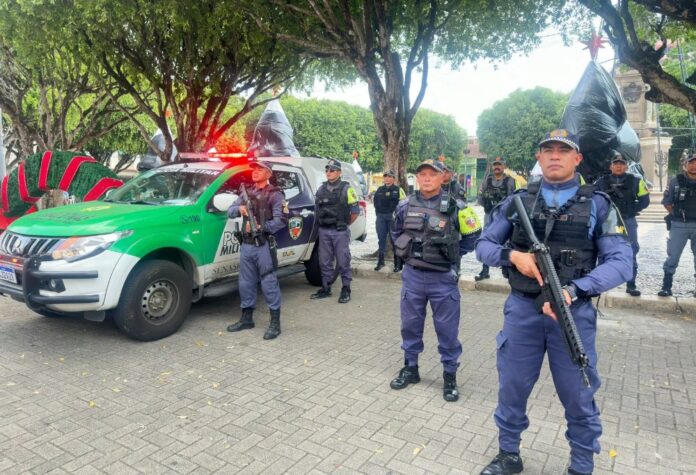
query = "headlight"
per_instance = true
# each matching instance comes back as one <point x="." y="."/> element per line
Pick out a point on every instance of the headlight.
<point x="76" y="248"/>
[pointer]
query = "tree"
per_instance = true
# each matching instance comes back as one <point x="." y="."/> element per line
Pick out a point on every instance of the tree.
<point x="183" y="58"/>
<point x="388" y="44"/>
<point x="50" y="98"/>
<point x="434" y="135"/>
<point x="639" y="30"/>
<point x="513" y="127"/>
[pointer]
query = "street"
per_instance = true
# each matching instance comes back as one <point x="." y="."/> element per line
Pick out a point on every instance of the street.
<point x="78" y="397"/>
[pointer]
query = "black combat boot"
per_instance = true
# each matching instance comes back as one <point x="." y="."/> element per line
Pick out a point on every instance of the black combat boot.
<point x="345" y="295"/>
<point x="274" y="326"/>
<point x="398" y="264"/>
<point x="631" y="289"/>
<point x="505" y="463"/>
<point x="380" y="261"/>
<point x="484" y="274"/>
<point x="449" y="390"/>
<point x="666" y="285"/>
<point x="321" y="293"/>
<point x="245" y="322"/>
<point x="407" y="375"/>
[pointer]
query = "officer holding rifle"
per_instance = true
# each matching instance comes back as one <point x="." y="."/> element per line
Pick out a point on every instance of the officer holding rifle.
<point x="588" y="253"/>
<point x="261" y="208"/>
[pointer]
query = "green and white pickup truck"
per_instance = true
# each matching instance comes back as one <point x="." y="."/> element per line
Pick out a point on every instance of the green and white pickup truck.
<point x="160" y="242"/>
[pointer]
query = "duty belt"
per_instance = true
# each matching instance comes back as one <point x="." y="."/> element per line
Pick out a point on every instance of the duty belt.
<point x="249" y="239"/>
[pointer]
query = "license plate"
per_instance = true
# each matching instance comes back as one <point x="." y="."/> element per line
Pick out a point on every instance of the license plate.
<point x="8" y="274"/>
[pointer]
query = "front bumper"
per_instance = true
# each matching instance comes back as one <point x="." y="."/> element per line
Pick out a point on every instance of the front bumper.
<point x="91" y="284"/>
<point x="31" y="282"/>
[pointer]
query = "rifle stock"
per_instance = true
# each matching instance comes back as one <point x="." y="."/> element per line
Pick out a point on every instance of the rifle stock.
<point x="553" y="293"/>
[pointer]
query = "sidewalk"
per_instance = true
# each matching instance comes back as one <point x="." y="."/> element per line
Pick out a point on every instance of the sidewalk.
<point x="78" y="397"/>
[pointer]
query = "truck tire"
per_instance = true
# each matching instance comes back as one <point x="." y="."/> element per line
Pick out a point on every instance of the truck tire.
<point x="155" y="300"/>
<point x="312" y="269"/>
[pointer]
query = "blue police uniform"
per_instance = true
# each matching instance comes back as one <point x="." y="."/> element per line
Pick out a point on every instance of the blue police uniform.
<point x="385" y="200"/>
<point x="256" y="262"/>
<point x="631" y="196"/>
<point x="526" y="336"/>
<point x="492" y="192"/>
<point x="431" y="248"/>
<point x="336" y="202"/>
<point x="681" y="195"/>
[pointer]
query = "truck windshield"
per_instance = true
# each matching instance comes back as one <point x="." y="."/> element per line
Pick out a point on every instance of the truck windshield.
<point x="165" y="186"/>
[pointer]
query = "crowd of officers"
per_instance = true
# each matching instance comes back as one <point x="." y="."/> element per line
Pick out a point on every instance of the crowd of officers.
<point x="591" y="232"/>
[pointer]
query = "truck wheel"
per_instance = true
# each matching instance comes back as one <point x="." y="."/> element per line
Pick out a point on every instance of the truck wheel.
<point x="155" y="300"/>
<point x="312" y="269"/>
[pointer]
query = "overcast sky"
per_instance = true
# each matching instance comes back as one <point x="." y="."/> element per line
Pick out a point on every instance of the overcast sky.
<point x="464" y="94"/>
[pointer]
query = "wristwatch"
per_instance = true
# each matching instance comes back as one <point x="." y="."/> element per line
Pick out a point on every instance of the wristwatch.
<point x="572" y="291"/>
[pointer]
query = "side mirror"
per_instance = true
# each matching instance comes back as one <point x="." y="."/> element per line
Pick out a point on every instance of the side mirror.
<point x="109" y="192"/>
<point x="222" y="201"/>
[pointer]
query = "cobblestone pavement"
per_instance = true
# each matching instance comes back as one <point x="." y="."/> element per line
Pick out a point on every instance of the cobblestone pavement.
<point x="78" y="397"/>
<point x="652" y="238"/>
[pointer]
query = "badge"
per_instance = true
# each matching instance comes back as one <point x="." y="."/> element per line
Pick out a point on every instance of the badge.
<point x="295" y="226"/>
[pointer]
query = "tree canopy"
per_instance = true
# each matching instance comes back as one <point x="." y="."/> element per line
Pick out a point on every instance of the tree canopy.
<point x="389" y="45"/>
<point x="513" y="127"/>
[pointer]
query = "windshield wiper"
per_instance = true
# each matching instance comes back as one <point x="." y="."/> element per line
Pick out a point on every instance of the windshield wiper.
<point x="142" y="202"/>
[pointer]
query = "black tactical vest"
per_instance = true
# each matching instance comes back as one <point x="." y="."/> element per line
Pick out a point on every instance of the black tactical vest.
<point x="684" y="206"/>
<point x="492" y="194"/>
<point x="564" y="230"/>
<point x="434" y="239"/>
<point x="624" y="194"/>
<point x="386" y="198"/>
<point x="261" y="203"/>
<point x="332" y="209"/>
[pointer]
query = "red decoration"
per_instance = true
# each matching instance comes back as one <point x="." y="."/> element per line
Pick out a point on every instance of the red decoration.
<point x="100" y="188"/>
<point x="71" y="171"/>
<point x="5" y="200"/>
<point x="593" y="44"/>
<point x="43" y="172"/>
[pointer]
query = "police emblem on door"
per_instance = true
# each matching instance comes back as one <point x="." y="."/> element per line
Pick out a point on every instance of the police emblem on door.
<point x="295" y="226"/>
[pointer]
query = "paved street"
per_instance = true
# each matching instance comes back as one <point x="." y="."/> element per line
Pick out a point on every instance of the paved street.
<point x="78" y="397"/>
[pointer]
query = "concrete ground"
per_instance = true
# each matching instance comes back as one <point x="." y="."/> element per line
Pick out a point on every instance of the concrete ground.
<point x="79" y="397"/>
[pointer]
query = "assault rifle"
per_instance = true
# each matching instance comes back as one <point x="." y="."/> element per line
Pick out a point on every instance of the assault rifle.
<point x="553" y="293"/>
<point x="256" y="232"/>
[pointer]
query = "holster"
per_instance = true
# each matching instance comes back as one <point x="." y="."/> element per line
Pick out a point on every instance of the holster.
<point x="273" y="249"/>
<point x="668" y="221"/>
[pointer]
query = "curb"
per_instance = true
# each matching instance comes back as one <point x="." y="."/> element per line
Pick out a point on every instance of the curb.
<point x="612" y="299"/>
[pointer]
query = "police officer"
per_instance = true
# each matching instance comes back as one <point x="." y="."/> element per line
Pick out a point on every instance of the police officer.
<point x="631" y="196"/>
<point x="337" y="208"/>
<point x="257" y="262"/>
<point x="494" y="189"/>
<point x="448" y="182"/>
<point x="680" y="202"/>
<point x="385" y="200"/>
<point x="431" y="232"/>
<point x="582" y="228"/>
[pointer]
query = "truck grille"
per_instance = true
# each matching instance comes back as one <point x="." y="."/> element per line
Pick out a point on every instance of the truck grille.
<point x="17" y="245"/>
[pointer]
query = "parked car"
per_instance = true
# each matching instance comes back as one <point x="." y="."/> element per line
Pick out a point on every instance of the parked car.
<point x="158" y="243"/>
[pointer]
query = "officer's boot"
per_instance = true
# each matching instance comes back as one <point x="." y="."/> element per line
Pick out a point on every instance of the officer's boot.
<point x="274" y="326"/>
<point x="345" y="295"/>
<point x="449" y="389"/>
<point x="398" y="264"/>
<point x="666" y="285"/>
<point x="505" y="463"/>
<point x="407" y="375"/>
<point x="245" y="322"/>
<point x="484" y="274"/>
<point x="631" y="289"/>
<point x="321" y="293"/>
<point x="380" y="261"/>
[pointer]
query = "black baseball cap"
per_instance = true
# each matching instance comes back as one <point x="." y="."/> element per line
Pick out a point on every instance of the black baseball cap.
<point x="618" y="158"/>
<point x="436" y="165"/>
<point x="563" y="136"/>
<point x="260" y="164"/>
<point x="389" y="173"/>
<point x="333" y="164"/>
